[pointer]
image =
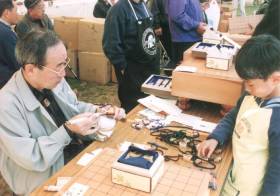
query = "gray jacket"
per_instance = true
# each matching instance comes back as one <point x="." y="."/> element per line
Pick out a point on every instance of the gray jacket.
<point x="31" y="145"/>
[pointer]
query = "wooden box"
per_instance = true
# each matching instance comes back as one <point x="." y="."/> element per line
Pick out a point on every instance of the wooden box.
<point x="67" y="29"/>
<point x="216" y="86"/>
<point x="200" y="49"/>
<point x="136" y="177"/>
<point x="158" y="85"/>
<point x="91" y="34"/>
<point x="94" y="67"/>
<point x="212" y="37"/>
<point x="218" y="61"/>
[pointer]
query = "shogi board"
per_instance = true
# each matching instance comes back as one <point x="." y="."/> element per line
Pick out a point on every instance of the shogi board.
<point x="177" y="180"/>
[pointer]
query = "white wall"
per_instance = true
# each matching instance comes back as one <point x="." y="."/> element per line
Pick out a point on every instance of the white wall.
<point x="78" y="8"/>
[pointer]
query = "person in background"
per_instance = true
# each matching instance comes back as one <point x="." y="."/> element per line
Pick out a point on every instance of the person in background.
<point x="270" y="24"/>
<point x="43" y="125"/>
<point x="253" y="125"/>
<point x="241" y="4"/>
<point x="35" y="18"/>
<point x="186" y="25"/>
<point x="263" y="7"/>
<point x="129" y="43"/>
<point x="102" y="7"/>
<point x="161" y="26"/>
<point x="8" y="39"/>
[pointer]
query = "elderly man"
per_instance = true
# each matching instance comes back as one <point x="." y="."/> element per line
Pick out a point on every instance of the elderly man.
<point x="8" y="39"/>
<point x="34" y="19"/>
<point x="42" y="123"/>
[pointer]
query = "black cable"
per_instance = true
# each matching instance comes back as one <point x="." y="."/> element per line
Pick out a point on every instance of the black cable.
<point x="173" y="138"/>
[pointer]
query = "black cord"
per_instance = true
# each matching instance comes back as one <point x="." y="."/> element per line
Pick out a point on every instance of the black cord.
<point x="173" y="138"/>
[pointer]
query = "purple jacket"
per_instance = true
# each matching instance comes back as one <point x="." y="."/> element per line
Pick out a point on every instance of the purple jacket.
<point x="184" y="18"/>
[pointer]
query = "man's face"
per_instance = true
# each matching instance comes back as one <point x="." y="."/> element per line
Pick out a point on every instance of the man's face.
<point x="53" y="71"/>
<point x="38" y="11"/>
<point x="260" y="88"/>
<point x="12" y="15"/>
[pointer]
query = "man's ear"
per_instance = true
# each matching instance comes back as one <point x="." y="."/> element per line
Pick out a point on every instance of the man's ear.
<point x="275" y="77"/>
<point x="5" y="14"/>
<point x="29" y="69"/>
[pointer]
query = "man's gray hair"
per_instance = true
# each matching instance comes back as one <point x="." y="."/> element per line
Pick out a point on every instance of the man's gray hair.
<point x="33" y="47"/>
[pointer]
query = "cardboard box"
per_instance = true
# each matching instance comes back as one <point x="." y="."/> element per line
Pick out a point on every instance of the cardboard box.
<point x="226" y="7"/>
<point x="223" y="26"/>
<point x="243" y="24"/>
<point x="73" y="56"/>
<point x="138" y="178"/>
<point x="94" y="67"/>
<point x="226" y="15"/>
<point x="158" y="85"/>
<point x="113" y="76"/>
<point x="67" y="29"/>
<point x="91" y="34"/>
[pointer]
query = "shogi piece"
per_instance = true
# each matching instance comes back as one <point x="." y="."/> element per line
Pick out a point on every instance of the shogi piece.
<point x="91" y="34"/>
<point x="136" y="177"/>
<point x="158" y="85"/>
<point x="67" y="29"/>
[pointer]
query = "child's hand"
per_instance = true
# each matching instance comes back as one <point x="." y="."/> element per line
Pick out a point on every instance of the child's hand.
<point x="206" y="148"/>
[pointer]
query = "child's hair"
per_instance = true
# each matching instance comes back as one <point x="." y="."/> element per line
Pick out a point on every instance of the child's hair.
<point x="258" y="58"/>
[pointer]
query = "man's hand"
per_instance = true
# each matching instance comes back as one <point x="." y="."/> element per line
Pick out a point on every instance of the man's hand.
<point x="207" y="147"/>
<point x="113" y="111"/>
<point x="83" y="124"/>
<point x="201" y="28"/>
<point x="158" y="31"/>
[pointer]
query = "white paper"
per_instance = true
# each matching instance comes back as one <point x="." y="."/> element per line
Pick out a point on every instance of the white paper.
<point x="76" y="189"/>
<point x="185" y="119"/>
<point x="85" y="159"/>
<point x="157" y="105"/>
<point x="61" y="181"/>
<point x="186" y="68"/>
<point x="96" y="152"/>
<point x="205" y="126"/>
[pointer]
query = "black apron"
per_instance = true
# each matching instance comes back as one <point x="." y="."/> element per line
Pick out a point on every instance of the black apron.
<point x="140" y="65"/>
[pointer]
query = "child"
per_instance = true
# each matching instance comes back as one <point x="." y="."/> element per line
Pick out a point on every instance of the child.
<point x="254" y="124"/>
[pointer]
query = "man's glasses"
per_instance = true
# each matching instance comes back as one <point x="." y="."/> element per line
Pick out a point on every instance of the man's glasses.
<point x="58" y="71"/>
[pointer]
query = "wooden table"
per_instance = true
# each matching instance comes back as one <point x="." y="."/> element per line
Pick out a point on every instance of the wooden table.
<point x="124" y="132"/>
<point x="216" y="86"/>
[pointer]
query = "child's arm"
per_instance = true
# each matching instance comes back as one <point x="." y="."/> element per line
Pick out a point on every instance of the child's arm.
<point x="223" y="132"/>
<point x="271" y="184"/>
